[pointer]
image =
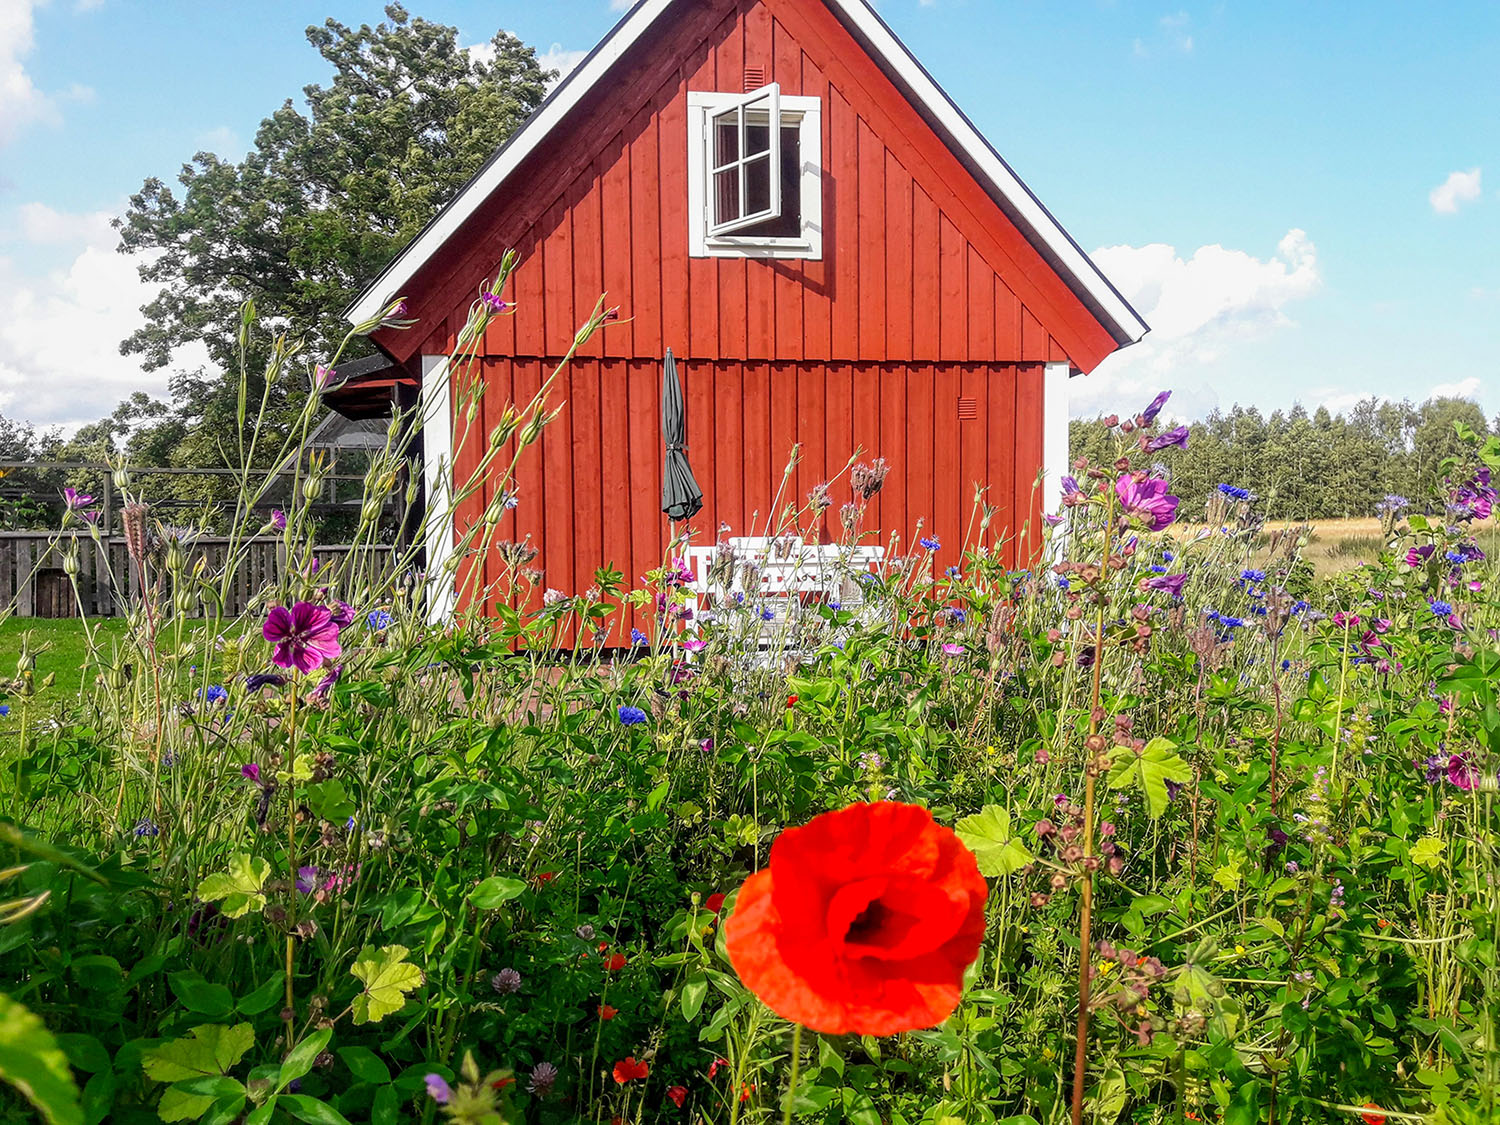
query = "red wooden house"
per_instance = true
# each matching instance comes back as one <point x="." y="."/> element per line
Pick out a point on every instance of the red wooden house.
<point x="777" y="191"/>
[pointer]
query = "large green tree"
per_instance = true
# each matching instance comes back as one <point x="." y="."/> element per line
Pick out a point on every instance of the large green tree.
<point x="330" y="192"/>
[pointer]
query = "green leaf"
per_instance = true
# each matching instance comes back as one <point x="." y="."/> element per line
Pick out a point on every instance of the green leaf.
<point x="263" y="1115"/>
<point x="387" y="978"/>
<point x="179" y="1105"/>
<point x="301" y="1057"/>
<point x="305" y="1108"/>
<point x="240" y="888"/>
<point x="329" y="801"/>
<point x="210" y="1049"/>
<point x="1149" y="771"/>
<point x="693" y="993"/>
<point x="987" y="834"/>
<point x="32" y="1062"/>
<point x="263" y="998"/>
<point x="199" y="996"/>
<point x="1428" y="851"/>
<point x="1108" y="1099"/>
<point x="495" y="892"/>
<point x="365" y="1065"/>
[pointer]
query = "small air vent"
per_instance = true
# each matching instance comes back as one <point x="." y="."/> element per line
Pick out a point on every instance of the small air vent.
<point x="755" y="78"/>
<point x="968" y="409"/>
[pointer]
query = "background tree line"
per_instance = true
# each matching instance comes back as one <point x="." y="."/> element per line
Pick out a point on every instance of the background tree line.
<point x="1311" y="466"/>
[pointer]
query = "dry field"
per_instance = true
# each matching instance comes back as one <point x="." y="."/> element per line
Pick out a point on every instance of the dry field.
<point x="1338" y="545"/>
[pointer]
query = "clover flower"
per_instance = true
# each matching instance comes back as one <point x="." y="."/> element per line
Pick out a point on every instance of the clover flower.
<point x="543" y="1078"/>
<point x="506" y="982"/>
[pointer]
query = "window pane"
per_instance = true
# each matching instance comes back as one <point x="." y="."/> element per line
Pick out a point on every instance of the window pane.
<point x="727" y="195"/>
<point x="757" y="184"/>
<point x="726" y="141"/>
<point x="757" y="137"/>
<point x="789" y="225"/>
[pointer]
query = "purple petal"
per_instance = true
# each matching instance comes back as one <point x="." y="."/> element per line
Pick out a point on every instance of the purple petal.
<point x="278" y="625"/>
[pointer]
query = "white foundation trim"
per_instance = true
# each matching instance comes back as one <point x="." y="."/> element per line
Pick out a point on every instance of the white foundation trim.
<point x="437" y="477"/>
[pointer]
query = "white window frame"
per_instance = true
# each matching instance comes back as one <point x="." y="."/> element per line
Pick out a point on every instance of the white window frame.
<point x="703" y="106"/>
<point x="735" y="115"/>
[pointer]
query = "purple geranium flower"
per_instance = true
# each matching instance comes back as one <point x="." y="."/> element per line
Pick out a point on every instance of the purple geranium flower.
<point x="305" y="636"/>
<point x="1418" y="555"/>
<point x="1171" y="583"/>
<point x="1177" y="436"/>
<point x="1459" y="771"/>
<point x="1147" y="501"/>
<point x="278" y="519"/>
<point x="1149" y="414"/>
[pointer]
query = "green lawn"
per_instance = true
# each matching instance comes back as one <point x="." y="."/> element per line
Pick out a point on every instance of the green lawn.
<point x="60" y="647"/>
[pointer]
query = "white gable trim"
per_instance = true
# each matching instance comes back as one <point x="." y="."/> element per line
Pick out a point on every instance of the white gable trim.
<point x="1071" y="261"/>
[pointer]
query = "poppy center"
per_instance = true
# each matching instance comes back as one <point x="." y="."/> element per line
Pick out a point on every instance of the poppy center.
<point x="867" y="924"/>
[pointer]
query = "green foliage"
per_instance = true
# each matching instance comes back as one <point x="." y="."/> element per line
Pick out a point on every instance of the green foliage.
<point x="988" y="835"/>
<point x="32" y="1062"/>
<point x="387" y="978"/>
<point x="240" y="887"/>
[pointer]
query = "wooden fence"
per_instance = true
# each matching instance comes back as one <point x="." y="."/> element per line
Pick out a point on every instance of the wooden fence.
<point x="34" y="581"/>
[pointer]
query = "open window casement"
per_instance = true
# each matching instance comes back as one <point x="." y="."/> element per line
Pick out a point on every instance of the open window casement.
<point x="744" y="143"/>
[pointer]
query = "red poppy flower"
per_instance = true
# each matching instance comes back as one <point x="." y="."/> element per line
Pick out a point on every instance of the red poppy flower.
<point x="614" y="962"/>
<point x="677" y="1095"/>
<point x="746" y="1091"/>
<point x="603" y="945"/>
<point x="606" y="1012"/>
<point x="545" y="877"/>
<point x="713" y="903"/>
<point x="791" y="701"/>
<point x="1376" y="1118"/>
<point x="627" y="1069"/>
<point x="713" y="1067"/>
<point x="863" y="922"/>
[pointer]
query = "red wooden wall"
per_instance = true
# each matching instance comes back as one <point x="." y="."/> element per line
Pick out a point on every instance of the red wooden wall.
<point x="926" y="294"/>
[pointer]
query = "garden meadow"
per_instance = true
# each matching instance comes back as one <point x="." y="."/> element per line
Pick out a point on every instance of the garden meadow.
<point x="1164" y="828"/>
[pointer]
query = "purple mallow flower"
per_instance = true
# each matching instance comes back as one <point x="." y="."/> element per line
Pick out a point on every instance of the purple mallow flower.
<point x="1149" y="414"/>
<point x="305" y="636"/>
<point x="1147" y="502"/>
<point x="1177" y="436"/>
<point x="1170" y="583"/>
<point x="76" y="500"/>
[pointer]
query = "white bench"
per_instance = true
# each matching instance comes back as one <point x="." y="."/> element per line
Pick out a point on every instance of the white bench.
<point x="784" y="572"/>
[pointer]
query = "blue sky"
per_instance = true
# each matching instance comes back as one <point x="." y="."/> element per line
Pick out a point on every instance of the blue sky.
<point x="1300" y="198"/>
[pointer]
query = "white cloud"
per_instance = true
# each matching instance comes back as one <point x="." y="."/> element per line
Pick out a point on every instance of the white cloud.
<point x="1459" y="188"/>
<point x="21" y="103"/>
<point x="222" y="141"/>
<point x="1199" y="309"/>
<point x="1464" y="388"/>
<point x="60" y="333"/>
<point x="620" y="5"/>
<point x="556" y="57"/>
<point x="41" y="225"/>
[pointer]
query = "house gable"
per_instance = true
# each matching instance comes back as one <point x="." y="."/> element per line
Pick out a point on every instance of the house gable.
<point x="922" y="262"/>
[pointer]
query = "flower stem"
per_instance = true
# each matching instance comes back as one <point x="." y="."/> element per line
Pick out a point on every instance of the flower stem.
<point x="1086" y="907"/>
<point x="791" y="1089"/>
<point x="291" y="855"/>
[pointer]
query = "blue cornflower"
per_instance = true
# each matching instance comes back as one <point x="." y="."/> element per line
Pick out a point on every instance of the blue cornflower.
<point x="146" y="827"/>
<point x="1299" y="606"/>
<point x="768" y="614"/>
<point x="379" y="619"/>
<point x="4" y="710"/>
<point x="953" y="572"/>
<point x="929" y="542"/>
<point x="835" y="606"/>
<point x="1063" y="584"/>
<point x="1232" y="622"/>
<point x="214" y="694"/>
<point x="1167" y="556"/>
<point x="1158" y="570"/>
<point x="1285" y="664"/>
<point x="637" y="637"/>
<point x="957" y="616"/>
<point x="1252" y="576"/>
<point x="1440" y="609"/>
<point x="739" y="597"/>
<point x="632" y="716"/>
<point x="1234" y="493"/>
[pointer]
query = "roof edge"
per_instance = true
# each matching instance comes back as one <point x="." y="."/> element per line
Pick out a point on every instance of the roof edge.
<point x="1058" y="247"/>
